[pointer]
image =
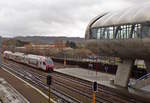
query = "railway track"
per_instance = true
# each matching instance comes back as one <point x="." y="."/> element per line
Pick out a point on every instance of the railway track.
<point x="37" y="81"/>
<point x="110" y="64"/>
<point x="74" y="86"/>
<point x="61" y="81"/>
<point x="104" y="93"/>
<point x="55" y="81"/>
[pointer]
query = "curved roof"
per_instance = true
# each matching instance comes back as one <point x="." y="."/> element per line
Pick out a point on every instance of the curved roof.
<point x="135" y="14"/>
<point x="87" y="31"/>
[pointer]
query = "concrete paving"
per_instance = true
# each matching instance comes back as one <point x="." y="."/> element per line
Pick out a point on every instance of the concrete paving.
<point x="146" y="88"/>
<point x="9" y="95"/>
<point x="104" y="79"/>
<point x="143" y="84"/>
<point x="90" y="75"/>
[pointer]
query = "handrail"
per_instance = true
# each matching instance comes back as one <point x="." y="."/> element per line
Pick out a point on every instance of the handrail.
<point x="141" y="78"/>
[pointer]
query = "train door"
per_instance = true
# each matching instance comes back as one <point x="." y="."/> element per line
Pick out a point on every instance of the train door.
<point x="39" y="64"/>
<point x="43" y="65"/>
<point x="25" y="60"/>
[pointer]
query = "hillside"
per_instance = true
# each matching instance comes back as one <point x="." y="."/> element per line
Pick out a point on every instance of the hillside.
<point x="13" y="42"/>
<point x="47" y="39"/>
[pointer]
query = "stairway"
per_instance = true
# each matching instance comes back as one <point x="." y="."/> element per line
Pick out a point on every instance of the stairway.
<point x="142" y="83"/>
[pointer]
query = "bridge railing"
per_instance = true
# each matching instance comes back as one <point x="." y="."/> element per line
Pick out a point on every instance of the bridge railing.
<point x="97" y="59"/>
<point x="133" y="84"/>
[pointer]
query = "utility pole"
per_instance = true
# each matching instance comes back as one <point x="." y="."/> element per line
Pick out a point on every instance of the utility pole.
<point x="49" y="80"/>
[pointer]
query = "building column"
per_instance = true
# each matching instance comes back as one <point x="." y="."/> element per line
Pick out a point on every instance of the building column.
<point x="123" y="73"/>
<point x="147" y="64"/>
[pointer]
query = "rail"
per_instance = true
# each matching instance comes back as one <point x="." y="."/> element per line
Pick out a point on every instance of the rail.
<point x="37" y="80"/>
<point x="66" y="98"/>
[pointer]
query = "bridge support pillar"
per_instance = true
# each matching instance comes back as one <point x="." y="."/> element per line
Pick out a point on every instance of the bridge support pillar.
<point x="123" y="73"/>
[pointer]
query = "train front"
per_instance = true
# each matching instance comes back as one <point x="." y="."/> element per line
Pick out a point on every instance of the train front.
<point x="49" y="65"/>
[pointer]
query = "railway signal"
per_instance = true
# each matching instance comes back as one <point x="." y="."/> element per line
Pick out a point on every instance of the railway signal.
<point x="94" y="87"/>
<point x="49" y="81"/>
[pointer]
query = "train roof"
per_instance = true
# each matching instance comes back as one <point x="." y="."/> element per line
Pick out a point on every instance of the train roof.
<point x="8" y="52"/>
<point x="136" y="14"/>
<point x="35" y="57"/>
<point x="18" y="54"/>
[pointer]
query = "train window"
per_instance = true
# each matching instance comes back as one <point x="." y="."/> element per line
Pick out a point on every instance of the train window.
<point x="44" y="63"/>
<point x="49" y="61"/>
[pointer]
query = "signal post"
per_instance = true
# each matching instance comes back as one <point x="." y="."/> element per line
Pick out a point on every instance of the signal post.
<point x="49" y="80"/>
<point x="94" y="87"/>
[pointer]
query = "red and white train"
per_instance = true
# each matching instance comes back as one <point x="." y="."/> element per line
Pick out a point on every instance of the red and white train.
<point x="36" y="61"/>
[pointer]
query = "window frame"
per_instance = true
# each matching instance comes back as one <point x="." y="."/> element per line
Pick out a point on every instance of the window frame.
<point x="125" y="31"/>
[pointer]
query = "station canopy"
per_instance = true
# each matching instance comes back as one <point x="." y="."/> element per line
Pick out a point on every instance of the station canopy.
<point x="135" y="14"/>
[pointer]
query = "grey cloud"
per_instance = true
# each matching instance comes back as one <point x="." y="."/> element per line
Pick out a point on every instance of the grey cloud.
<point x="51" y="18"/>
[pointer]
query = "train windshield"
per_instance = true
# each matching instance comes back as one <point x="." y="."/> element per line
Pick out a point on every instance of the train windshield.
<point x="49" y="61"/>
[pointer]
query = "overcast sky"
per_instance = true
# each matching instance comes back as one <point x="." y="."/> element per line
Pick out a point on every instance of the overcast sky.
<point x="53" y="17"/>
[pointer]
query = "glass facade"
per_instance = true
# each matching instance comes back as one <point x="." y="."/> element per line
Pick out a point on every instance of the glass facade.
<point x="121" y="32"/>
<point x="146" y="30"/>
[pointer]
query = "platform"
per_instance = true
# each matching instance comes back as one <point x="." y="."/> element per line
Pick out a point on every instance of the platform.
<point x="24" y="89"/>
<point x="90" y="75"/>
<point x="9" y="95"/>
